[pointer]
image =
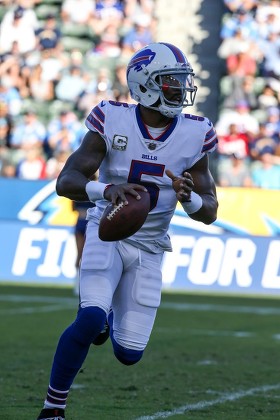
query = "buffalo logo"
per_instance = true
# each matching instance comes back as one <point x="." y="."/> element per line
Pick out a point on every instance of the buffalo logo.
<point x="143" y="58"/>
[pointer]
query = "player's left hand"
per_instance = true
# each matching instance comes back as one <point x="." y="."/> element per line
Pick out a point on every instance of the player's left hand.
<point x="182" y="185"/>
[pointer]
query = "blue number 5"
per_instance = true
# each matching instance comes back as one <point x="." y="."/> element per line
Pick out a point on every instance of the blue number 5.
<point x="138" y="168"/>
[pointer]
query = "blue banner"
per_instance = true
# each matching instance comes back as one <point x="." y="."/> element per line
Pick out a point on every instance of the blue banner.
<point x="38" y="244"/>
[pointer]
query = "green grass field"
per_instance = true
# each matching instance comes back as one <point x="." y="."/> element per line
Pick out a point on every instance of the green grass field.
<point x="209" y="357"/>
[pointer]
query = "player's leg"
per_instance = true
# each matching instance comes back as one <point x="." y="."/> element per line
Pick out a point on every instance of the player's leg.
<point x="101" y="269"/>
<point x="80" y="231"/>
<point x="135" y="304"/>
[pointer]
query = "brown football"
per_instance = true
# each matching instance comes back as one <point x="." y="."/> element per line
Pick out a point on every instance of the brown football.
<point x="121" y="221"/>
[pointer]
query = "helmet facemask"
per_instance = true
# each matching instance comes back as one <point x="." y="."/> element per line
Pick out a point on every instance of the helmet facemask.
<point x="174" y="89"/>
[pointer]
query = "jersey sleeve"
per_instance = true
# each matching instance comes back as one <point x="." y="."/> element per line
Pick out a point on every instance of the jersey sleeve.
<point x="95" y="121"/>
<point x="211" y="140"/>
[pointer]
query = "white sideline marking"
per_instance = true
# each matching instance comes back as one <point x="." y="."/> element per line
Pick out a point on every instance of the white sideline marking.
<point x="258" y="310"/>
<point x="213" y="333"/>
<point x="53" y="304"/>
<point x="220" y="308"/>
<point x="203" y="404"/>
<point x="34" y="309"/>
<point x="43" y="299"/>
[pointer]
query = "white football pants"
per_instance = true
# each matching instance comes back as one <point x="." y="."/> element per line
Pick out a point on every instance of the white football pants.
<point x="126" y="278"/>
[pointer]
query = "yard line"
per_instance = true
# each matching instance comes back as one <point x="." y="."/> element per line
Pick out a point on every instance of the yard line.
<point x="39" y="299"/>
<point x="258" y="310"/>
<point x="204" y="404"/>
<point x="35" y="309"/>
<point x="206" y="307"/>
<point x="210" y="333"/>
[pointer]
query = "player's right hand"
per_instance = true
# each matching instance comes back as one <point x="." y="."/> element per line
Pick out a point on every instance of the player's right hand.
<point x="116" y="193"/>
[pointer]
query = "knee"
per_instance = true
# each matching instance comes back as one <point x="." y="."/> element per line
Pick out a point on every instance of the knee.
<point x="89" y="323"/>
<point x="126" y="356"/>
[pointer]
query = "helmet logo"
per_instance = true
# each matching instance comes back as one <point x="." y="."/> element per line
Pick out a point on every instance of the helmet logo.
<point x="143" y="58"/>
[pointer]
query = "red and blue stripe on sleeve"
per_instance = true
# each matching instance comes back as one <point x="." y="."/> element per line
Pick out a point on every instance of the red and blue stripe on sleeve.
<point x="210" y="141"/>
<point x="96" y="119"/>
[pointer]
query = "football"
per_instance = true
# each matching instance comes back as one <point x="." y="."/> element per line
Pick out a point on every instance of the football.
<point x="121" y="221"/>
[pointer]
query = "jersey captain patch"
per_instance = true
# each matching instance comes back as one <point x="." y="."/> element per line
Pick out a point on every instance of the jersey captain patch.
<point x="119" y="142"/>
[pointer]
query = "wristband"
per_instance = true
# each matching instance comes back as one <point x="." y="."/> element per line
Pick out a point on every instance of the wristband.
<point x="95" y="190"/>
<point x="106" y="188"/>
<point x="194" y="205"/>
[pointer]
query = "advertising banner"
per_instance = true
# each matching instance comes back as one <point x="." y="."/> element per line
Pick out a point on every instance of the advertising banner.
<point x="239" y="253"/>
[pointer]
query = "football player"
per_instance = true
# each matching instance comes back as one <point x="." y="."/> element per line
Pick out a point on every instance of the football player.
<point x="150" y="145"/>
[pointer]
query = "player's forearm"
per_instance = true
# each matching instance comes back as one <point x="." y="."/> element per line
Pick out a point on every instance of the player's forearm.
<point x="72" y="185"/>
<point x="207" y="214"/>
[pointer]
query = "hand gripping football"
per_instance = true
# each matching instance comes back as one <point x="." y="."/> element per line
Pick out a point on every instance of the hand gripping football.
<point x="121" y="221"/>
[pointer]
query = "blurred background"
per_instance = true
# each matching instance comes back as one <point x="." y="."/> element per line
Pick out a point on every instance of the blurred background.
<point x="58" y="58"/>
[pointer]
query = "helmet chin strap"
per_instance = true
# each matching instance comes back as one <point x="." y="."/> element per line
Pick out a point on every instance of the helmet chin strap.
<point x="170" y="112"/>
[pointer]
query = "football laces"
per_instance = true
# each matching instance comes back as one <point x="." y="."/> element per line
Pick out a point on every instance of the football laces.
<point x="115" y="210"/>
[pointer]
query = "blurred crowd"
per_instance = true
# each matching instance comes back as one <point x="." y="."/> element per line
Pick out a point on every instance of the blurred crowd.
<point x="248" y="126"/>
<point x="58" y="58"/>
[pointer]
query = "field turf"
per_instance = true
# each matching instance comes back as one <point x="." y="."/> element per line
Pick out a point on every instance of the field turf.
<point x="209" y="357"/>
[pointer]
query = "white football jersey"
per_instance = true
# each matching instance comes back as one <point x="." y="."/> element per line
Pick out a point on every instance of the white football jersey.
<point x="133" y="155"/>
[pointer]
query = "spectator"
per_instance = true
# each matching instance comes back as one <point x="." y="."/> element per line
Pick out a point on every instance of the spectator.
<point x="266" y="171"/>
<point x="237" y="5"/>
<point x="268" y="8"/>
<point x="18" y="30"/>
<point x="64" y="133"/>
<point x="48" y="35"/>
<point x="28" y="133"/>
<point x="71" y="85"/>
<point x="234" y="172"/>
<point x="263" y="141"/>
<point x="55" y="164"/>
<point x="5" y="154"/>
<point x="53" y="63"/>
<point x="271" y="58"/>
<point x="240" y="90"/>
<point x="246" y="123"/>
<point x="232" y="45"/>
<point x="241" y="64"/>
<point x="139" y="36"/>
<point x="7" y="169"/>
<point x="272" y="123"/>
<point x="267" y="98"/>
<point x="10" y="72"/>
<point x="41" y="90"/>
<point x="7" y="120"/>
<point x="76" y="58"/>
<point x="107" y="12"/>
<point x="29" y="17"/>
<point x="101" y="85"/>
<point x="133" y="8"/>
<point x="32" y="165"/>
<point x="268" y="24"/>
<point x="77" y="11"/>
<point x="119" y="87"/>
<point x="235" y="143"/>
<point x="243" y="21"/>
<point x="109" y="41"/>
<point x="4" y="134"/>
<point x="10" y="96"/>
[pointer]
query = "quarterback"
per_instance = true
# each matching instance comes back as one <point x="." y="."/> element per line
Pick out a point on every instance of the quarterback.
<point x="151" y="146"/>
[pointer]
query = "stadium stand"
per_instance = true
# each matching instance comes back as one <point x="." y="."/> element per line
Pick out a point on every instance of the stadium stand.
<point x="232" y="46"/>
